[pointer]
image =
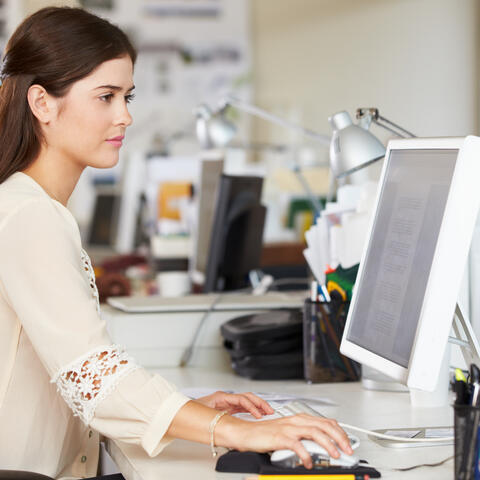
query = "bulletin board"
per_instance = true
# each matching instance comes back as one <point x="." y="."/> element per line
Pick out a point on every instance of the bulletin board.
<point x="189" y="52"/>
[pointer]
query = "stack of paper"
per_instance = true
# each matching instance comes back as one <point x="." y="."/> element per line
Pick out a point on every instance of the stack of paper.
<point x="339" y="233"/>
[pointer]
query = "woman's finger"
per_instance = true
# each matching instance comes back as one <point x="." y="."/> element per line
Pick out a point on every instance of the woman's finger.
<point x="333" y="429"/>
<point x="248" y="406"/>
<point x="323" y="440"/>
<point x="260" y="403"/>
<point x="301" y="451"/>
<point x="329" y="427"/>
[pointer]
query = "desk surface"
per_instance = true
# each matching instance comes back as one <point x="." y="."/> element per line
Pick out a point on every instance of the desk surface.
<point x="204" y="302"/>
<point x="366" y="409"/>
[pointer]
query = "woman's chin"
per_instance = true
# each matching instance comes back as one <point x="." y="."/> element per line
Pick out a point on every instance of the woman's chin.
<point x="105" y="162"/>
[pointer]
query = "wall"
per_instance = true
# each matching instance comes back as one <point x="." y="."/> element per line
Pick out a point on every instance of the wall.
<point x="416" y="60"/>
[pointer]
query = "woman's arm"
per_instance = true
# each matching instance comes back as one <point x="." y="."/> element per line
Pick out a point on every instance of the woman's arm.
<point x="192" y="422"/>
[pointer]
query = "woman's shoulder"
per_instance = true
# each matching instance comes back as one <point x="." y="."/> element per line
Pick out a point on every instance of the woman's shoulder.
<point x="21" y="196"/>
<point x="16" y="192"/>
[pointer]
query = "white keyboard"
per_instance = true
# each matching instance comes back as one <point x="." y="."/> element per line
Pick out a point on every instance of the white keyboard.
<point x="296" y="407"/>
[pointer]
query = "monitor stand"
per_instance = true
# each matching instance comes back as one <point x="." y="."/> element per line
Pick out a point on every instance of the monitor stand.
<point x="374" y="380"/>
<point x="464" y="337"/>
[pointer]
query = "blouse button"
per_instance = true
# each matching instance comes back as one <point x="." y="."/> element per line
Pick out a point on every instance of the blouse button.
<point x="83" y="459"/>
<point x="90" y="433"/>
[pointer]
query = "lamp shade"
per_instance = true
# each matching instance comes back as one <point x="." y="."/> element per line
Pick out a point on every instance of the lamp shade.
<point x="212" y="128"/>
<point x="352" y="147"/>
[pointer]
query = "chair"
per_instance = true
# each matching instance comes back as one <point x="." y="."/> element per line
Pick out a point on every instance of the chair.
<point x="19" y="475"/>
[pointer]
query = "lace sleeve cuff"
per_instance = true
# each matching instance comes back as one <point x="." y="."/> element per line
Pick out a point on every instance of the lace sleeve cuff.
<point x="90" y="378"/>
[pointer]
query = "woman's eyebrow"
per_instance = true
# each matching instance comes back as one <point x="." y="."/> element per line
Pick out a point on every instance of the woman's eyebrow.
<point x="114" y="87"/>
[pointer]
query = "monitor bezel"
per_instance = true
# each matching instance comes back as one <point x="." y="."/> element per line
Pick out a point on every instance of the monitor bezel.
<point x="439" y="303"/>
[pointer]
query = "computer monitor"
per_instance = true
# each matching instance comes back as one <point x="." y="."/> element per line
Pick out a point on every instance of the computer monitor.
<point x="211" y="169"/>
<point x="237" y="233"/>
<point x="410" y="273"/>
<point x="103" y="226"/>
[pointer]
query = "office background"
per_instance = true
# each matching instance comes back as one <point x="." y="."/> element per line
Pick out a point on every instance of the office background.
<point x="416" y="60"/>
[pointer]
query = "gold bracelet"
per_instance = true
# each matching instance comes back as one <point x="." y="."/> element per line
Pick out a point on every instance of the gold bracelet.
<point x="211" y="431"/>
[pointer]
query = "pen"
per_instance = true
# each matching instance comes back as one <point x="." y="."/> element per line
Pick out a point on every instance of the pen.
<point x="469" y="452"/>
<point x="314" y="291"/>
<point x="325" y="293"/>
<point x="322" y="333"/>
<point x="460" y="376"/>
<point x="460" y="388"/>
<point x="313" y="343"/>
<point x="325" y="476"/>
<point x="334" y="338"/>
<point x="475" y="381"/>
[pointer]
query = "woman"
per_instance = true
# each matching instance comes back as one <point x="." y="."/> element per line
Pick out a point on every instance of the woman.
<point x="67" y="78"/>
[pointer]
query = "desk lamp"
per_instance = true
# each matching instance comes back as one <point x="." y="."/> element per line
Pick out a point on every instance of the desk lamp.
<point x="353" y="147"/>
<point x="214" y="130"/>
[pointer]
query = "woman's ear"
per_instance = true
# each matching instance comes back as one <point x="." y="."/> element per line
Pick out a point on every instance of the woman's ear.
<point x="41" y="104"/>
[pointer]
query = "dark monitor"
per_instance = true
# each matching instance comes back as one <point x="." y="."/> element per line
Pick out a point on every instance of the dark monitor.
<point x="237" y="233"/>
<point x="103" y="226"/>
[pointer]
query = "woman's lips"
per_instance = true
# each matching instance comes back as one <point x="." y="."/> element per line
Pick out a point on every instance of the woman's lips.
<point x="116" y="141"/>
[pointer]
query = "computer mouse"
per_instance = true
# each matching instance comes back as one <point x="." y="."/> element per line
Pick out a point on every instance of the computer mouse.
<point x="320" y="457"/>
<point x="354" y="441"/>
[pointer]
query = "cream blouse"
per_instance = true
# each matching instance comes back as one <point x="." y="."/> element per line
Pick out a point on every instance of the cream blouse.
<point x="61" y="379"/>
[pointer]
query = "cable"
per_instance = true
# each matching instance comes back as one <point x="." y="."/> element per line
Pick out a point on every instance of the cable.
<point x="436" y="464"/>
<point x="298" y="406"/>
<point x="393" y="437"/>
<point x="187" y="354"/>
<point x="406" y="469"/>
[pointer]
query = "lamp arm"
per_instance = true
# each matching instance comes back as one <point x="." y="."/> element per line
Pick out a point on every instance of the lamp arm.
<point x="258" y="112"/>
<point x="392" y="127"/>
<point x="368" y="115"/>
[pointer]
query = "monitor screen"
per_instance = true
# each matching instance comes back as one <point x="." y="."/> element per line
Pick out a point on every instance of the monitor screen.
<point x="392" y="284"/>
<point x="237" y="233"/>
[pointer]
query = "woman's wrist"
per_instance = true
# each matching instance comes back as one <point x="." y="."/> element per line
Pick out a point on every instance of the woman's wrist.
<point x="211" y="431"/>
<point x="230" y="432"/>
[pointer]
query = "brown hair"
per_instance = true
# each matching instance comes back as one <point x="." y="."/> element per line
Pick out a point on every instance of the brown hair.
<point x="54" y="47"/>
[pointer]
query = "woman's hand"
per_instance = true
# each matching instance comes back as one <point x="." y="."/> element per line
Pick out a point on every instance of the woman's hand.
<point x="236" y="403"/>
<point x="284" y="433"/>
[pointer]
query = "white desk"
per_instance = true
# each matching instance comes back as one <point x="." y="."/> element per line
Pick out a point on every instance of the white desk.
<point x="367" y="409"/>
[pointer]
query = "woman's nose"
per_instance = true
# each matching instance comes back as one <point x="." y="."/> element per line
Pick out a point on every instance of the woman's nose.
<point x="124" y="117"/>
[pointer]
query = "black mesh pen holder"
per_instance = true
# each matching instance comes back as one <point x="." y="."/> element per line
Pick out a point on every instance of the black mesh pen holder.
<point x="467" y="420"/>
<point x="323" y="325"/>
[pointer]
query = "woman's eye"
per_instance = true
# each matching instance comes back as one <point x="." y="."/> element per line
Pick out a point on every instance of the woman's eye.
<point x="106" y="98"/>
<point x="129" y="97"/>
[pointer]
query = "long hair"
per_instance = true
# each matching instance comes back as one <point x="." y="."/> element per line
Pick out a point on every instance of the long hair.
<point x="54" y="47"/>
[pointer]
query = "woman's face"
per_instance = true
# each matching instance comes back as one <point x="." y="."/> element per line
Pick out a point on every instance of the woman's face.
<point x="92" y="117"/>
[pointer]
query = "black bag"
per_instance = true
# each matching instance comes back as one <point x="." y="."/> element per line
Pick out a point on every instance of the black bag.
<point x="266" y="346"/>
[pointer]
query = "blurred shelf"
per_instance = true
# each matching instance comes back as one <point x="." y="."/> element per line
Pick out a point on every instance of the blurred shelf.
<point x="283" y="253"/>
